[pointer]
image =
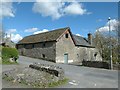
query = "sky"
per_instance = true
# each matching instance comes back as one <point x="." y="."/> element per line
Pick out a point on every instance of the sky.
<point x="21" y="19"/>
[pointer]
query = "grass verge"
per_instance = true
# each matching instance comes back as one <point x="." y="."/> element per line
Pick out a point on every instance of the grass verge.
<point x="7" y="62"/>
<point x="38" y="85"/>
<point x="60" y="82"/>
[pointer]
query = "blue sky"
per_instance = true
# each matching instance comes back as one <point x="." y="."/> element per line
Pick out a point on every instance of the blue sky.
<point x="26" y="18"/>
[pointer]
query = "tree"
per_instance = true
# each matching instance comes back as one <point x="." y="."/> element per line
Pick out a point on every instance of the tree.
<point x="102" y="42"/>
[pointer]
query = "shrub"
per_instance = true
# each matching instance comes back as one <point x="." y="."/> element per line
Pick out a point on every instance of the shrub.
<point x="8" y="52"/>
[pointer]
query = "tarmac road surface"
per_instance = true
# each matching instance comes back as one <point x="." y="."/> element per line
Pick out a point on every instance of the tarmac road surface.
<point x="79" y="76"/>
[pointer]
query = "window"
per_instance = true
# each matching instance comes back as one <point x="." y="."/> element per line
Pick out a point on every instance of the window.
<point x="66" y="35"/>
<point x="43" y="45"/>
<point x="36" y="45"/>
<point x="43" y="55"/>
<point x="95" y="54"/>
<point x="32" y="45"/>
<point x="25" y="45"/>
<point x="29" y="46"/>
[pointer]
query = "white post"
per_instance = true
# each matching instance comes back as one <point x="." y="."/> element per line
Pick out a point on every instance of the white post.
<point x="111" y="63"/>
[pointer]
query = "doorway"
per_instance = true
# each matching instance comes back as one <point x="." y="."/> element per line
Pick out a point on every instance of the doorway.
<point x="66" y="58"/>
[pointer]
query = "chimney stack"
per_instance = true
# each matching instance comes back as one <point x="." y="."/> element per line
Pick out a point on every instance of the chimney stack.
<point x="90" y="38"/>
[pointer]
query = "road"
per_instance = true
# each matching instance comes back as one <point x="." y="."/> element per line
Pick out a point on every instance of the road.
<point x="79" y="76"/>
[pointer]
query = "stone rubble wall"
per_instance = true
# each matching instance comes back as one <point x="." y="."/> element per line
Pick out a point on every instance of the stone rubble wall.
<point x="49" y="50"/>
<point x="96" y="64"/>
<point x="51" y="69"/>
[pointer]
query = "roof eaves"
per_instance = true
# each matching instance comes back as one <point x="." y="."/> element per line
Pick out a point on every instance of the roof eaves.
<point x="36" y="42"/>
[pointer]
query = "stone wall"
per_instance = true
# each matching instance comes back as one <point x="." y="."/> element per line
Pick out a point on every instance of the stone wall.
<point x="96" y="64"/>
<point x="87" y="54"/>
<point x="51" y="69"/>
<point x="55" y="51"/>
<point x="63" y="46"/>
<point x="44" y="50"/>
<point x="75" y="53"/>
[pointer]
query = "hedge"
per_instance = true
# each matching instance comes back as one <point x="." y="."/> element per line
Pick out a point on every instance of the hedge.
<point x="8" y="52"/>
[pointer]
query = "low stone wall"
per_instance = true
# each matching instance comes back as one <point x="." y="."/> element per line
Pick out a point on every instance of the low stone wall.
<point x="96" y="64"/>
<point x="116" y="66"/>
<point x="51" y="69"/>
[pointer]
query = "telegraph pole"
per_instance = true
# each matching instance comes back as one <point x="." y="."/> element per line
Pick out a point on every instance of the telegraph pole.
<point x="110" y="47"/>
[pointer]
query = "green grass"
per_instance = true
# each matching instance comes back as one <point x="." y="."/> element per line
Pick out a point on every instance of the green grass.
<point x="50" y="85"/>
<point x="60" y="82"/>
<point x="43" y="85"/>
<point x="6" y="54"/>
<point x="8" y="78"/>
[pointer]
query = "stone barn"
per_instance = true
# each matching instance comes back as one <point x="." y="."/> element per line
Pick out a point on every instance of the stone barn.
<point x="59" y="46"/>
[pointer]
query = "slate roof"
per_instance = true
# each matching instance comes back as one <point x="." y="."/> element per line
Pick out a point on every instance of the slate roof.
<point x="43" y="37"/>
<point x="81" y="41"/>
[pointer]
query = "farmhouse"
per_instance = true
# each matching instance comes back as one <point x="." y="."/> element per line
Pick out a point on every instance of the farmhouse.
<point x="59" y="46"/>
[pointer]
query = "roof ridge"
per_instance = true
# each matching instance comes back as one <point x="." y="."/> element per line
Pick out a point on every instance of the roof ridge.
<point x="80" y="36"/>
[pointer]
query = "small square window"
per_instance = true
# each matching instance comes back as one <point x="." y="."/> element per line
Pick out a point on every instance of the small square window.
<point x="66" y="35"/>
<point x="43" y="55"/>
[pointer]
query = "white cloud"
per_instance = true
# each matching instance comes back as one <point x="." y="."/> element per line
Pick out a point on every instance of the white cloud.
<point x="78" y="34"/>
<point x="59" y="8"/>
<point x="114" y="23"/>
<point x="44" y="30"/>
<point x="31" y="30"/>
<point x="11" y="33"/>
<point x="113" y="26"/>
<point x="74" y="8"/>
<point x="103" y="29"/>
<point x="6" y="9"/>
<point x="48" y="8"/>
<point x="14" y="37"/>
